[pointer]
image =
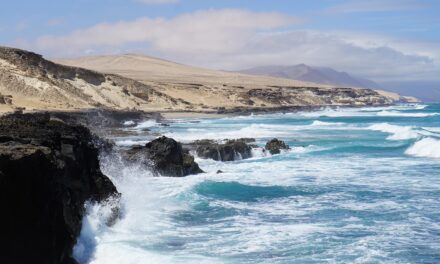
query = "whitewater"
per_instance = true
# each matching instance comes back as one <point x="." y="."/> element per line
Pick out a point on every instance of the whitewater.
<point x="360" y="185"/>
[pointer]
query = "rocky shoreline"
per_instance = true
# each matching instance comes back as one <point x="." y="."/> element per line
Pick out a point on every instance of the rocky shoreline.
<point x="165" y="157"/>
<point x="48" y="170"/>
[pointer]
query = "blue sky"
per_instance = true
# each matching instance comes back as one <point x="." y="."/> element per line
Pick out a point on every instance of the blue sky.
<point x="379" y="39"/>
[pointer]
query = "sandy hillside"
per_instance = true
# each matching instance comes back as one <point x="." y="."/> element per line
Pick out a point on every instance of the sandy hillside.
<point x="133" y="82"/>
<point x="147" y="69"/>
<point x="29" y="82"/>
<point x="206" y="89"/>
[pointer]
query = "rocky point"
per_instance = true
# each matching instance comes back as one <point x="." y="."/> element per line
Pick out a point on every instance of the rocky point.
<point x="48" y="170"/>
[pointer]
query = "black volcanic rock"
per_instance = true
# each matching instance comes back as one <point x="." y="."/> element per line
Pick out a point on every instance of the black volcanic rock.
<point x="48" y="170"/>
<point x="274" y="146"/>
<point x="230" y="150"/>
<point x="166" y="157"/>
<point x="104" y="118"/>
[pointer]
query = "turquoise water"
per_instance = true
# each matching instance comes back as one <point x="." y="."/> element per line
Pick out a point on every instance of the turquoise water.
<point x="359" y="186"/>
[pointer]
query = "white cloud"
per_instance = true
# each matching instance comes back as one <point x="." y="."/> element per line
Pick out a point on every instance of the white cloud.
<point x="379" y="61"/>
<point x="215" y="31"/>
<point x="236" y="39"/>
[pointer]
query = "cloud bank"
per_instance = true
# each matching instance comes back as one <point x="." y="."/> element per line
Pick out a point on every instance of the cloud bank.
<point x="236" y="39"/>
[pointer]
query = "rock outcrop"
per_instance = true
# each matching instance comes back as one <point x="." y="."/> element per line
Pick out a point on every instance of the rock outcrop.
<point x="48" y="170"/>
<point x="274" y="146"/>
<point x="166" y="157"/>
<point x="230" y="150"/>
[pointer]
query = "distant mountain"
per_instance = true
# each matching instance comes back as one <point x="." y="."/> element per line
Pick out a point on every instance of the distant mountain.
<point x="141" y="83"/>
<point x="321" y="75"/>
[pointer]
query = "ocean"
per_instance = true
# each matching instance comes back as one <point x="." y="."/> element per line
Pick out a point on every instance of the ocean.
<point x="360" y="185"/>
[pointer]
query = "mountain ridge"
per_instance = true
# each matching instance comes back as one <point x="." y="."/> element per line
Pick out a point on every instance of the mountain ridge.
<point x="33" y="83"/>
<point x="30" y="82"/>
<point x="320" y="75"/>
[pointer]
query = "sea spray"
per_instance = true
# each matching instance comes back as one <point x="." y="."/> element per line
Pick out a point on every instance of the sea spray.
<point x="426" y="147"/>
<point x="400" y="114"/>
<point x="344" y="193"/>
<point x="398" y="132"/>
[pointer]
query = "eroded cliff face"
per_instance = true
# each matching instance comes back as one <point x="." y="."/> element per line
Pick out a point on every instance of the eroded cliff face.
<point x="29" y="82"/>
<point x="310" y="96"/>
<point x="48" y="170"/>
<point x="32" y="83"/>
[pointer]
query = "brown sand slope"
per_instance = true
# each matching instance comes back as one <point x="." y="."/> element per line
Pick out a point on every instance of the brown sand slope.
<point x="28" y="81"/>
<point x="207" y="89"/>
<point x="133" y="82"/>
<point x="148" y="69"/>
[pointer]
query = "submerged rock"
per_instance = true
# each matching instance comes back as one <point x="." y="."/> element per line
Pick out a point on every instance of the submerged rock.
<point x="48" y="170"/>
<point x="234" y="149"/>
<point x="166" y="156"/>
<point x="274" y="146"/>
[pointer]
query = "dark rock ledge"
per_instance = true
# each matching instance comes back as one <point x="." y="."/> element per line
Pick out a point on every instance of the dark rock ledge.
<point x="165" y="157"/>
<point x="229" y="150"/>
<point x="274" y="146"/>
<point x="48" y="170"/>
<point x="232" y="149"/>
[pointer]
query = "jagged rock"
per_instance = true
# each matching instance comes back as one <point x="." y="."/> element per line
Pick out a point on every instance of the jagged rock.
<point x="104" y="118"/>
<point x="234" y="149"/>
<point x="48" y="170"/>
<point x="5" y="99"/>
<point x="274" y="146"/>
<point x="166" y="156"/>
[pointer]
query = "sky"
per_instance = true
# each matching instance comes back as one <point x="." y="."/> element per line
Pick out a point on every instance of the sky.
<point x="384" y="40"/>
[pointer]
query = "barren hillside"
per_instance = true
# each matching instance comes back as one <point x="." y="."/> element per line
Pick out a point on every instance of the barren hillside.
<point x="206" y="89"/>
<point x="133" y="82"/>
<point x="148" y="69"/>
<point x="27" y="81"/>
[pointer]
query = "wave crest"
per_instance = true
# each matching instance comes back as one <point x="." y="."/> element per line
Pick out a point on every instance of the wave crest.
<point x="322" y="123"/>
<point x="426" y="147"/>
<point x="398" y="132"/>
<point x="402" y="114"/>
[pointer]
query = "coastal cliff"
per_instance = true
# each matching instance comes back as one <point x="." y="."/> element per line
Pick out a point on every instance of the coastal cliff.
<point x="30" y="82"/>
<point x="48" y="170"/>
<point x="131" y="83"/>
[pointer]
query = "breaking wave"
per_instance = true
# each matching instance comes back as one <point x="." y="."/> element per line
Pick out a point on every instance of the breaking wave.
<point x="403" y="114"/>
<point x="343" y="193"/>
<point x="397" y="132"/>
<point x="426" y="147"/>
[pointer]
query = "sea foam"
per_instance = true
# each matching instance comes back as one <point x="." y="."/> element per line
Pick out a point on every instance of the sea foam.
<point x="403" y="114"/>
<point x="322" y="123"/>
<point x="398" y="132"/>
<point x="146" y="124"/>
<point x="426" y="147"/>
<point x="281" y="208"/>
